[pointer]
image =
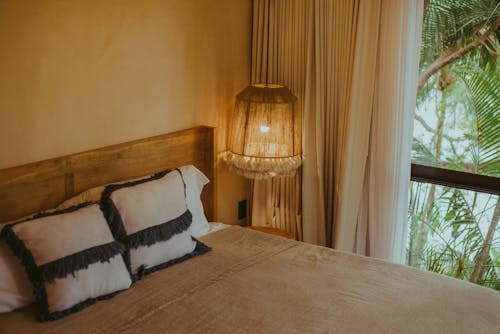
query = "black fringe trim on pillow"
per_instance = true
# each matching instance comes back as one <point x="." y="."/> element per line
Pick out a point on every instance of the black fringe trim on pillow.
<point x="46" y="316"/>
<point x="200" y="249"/>
<point x="59" y="212"/>
<point x="113" y="218"/>
<point x="162" y="232"/>
<point x="148" y="236"/>
<point x="67" y="210"/>
<point x="72" y="263"/>
<point x="184" y="182"/>
<point x="24" y="255"/>
<point x="111" y="212"/>
<point x="39" y="276"/>
<point x="113" y="187"/>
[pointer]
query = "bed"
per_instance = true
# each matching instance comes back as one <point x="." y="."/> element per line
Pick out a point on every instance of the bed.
<point x="250" y="282"/>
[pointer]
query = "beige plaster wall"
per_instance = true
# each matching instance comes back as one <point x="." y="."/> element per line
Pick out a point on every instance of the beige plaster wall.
<point x="82" y="74"/>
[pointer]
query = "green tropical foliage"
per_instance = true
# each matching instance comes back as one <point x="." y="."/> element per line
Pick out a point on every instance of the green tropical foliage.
<point x="483" y="89"/>
<point x="453" y="235"/>
<point x="457" y="126"/>
<point x="447" y="22"/>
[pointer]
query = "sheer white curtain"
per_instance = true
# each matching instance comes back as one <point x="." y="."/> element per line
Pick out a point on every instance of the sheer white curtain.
<point x="353" y="65"/>
<point x="381" y="223"/>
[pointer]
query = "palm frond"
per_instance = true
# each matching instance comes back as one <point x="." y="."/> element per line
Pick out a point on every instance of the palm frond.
<point x="457" y="22"/>
<point x="483" y="91"/>
<point x="422" y="154"/>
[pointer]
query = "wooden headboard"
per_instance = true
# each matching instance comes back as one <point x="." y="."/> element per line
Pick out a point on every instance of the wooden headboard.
<point x="43" y="185"/>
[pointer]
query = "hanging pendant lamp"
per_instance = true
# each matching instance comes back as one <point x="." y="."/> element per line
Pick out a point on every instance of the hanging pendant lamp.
<point x="265" y="134"/>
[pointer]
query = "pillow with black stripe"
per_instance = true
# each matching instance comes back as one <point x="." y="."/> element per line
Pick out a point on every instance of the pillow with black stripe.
<point x="150" y="216"/>
<point x="70" y="257"/>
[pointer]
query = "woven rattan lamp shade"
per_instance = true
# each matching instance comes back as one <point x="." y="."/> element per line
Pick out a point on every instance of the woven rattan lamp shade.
<point x="265" y="135"/>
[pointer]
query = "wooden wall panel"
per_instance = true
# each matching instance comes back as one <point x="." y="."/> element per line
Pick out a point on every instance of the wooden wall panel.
<point x="43" y="185"/>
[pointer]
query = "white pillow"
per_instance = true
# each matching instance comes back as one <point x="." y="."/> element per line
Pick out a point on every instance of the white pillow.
<point x="70" y="257"/>
<point x="151" y="217"/>
<point x="15" y="288"/>
<point x="195" y="181"/>
<point x="90" y="195"/>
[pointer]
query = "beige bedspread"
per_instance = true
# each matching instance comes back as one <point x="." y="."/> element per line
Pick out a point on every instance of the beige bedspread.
<point x="257" y="283"/>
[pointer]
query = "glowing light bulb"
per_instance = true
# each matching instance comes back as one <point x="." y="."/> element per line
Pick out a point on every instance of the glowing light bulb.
<point x="264" y="129"/>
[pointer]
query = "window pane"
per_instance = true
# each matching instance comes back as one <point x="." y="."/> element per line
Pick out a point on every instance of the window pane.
<point x="453" y="129"/>
<point x="449" y="229"/>
<point x="457" y="117"/>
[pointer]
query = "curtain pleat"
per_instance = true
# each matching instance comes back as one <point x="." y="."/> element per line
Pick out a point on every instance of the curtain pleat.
<point x="338" y="27"/>
<point x="381" y="223"/>
<point x="277" y="202"/>
<point x="357" y="122"/>
<point x="350" y="63"/>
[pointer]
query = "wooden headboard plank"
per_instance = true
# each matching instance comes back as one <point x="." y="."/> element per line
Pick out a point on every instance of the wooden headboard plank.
<point x="43" y="185"/>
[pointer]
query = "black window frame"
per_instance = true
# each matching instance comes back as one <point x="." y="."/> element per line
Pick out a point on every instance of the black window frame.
<point x="455" y="179"/>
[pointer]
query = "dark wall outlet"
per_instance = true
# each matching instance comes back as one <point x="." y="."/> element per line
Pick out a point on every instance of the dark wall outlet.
<point x="242" y="209"/>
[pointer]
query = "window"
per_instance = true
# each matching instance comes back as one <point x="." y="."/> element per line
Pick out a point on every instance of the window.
<point x="454" y="207"/>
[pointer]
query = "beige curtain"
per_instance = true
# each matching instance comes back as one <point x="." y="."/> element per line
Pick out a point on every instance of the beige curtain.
<point x="350" y="62"/>
<point x="337" y="33"/>
<point x="279" y="54"/>
<point x="346" y="188"/>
